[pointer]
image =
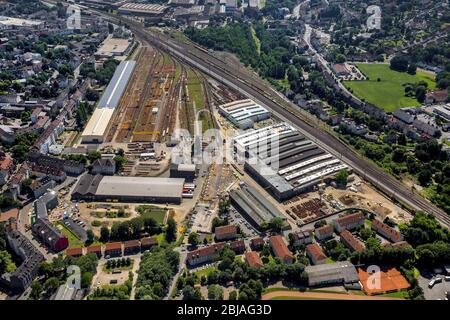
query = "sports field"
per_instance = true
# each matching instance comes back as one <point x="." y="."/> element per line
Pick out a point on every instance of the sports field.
<point x="389" y="92"/>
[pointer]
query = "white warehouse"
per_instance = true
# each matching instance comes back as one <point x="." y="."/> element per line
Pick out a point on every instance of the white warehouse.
<point x="98" y="125"/>
<point x="244" y="113"/>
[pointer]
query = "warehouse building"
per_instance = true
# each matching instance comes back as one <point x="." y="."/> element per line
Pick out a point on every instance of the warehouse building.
<point x="186" y="171"/>
<point x="254" y="207"/>
<point x="129" y="189"/>
<point x="283" y="161"/>
<point x="147" y="9"/>
<point x="341" y="273"/>
<point x="98" y="125"/>
<point x="244" y="113"/>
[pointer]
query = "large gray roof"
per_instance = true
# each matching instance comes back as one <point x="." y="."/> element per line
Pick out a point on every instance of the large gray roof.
<point x="140" y="186"/>
<point x="117" y="85"/>
<point x="338" y="271"/>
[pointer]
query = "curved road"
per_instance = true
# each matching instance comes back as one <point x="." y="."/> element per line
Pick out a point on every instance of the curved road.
<point x="254" y="87"/>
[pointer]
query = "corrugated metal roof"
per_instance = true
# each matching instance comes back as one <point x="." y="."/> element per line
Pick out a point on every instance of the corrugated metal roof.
<point x="117" y="85"/>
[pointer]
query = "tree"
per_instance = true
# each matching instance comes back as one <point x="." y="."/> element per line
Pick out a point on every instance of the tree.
<point x="90" y="236"/>
<point x="232" y="295"/>
<point x="94" y="155"/>
<point x="190" y="293"/>
<point x="424" y="176"/>
<point x="110" y="27"/>
<point x="6" y="263"/>
<point x="194" y="239"/>
<point x="215" y="292"/>
<point x="276" y="224"/>
<point x="104" y="234"/>
<point x="120" y="161"/>
<point x="341" y="177"/>
<point x="36" y="290"/>
<point x="412" y="68"/>
<point x="86" y="279"/>
<point x="399" y="63"/>
<point x="51" y="285"/>
<point x="171" y="230"/>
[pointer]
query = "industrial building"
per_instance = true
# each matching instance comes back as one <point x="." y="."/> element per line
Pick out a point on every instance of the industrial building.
<point x="129" y="189"/>
<point x="186" y="171"/>
<point x="98" y="125"/>
<point x="142" y="9"/>
<point x="114" y="47"/>
<point x="244" y="113"/>
<point x="343" y="273"/>
<point x="254" y="207"/>
<point x="283" y="161"/>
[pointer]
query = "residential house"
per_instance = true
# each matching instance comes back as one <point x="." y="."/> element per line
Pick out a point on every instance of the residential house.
<point x="280" y="249"/>
<point x="386" y="231"/>
<point x="302" y="237"/>
<point x="253" y="260"/>
<point x="97" y="249"/>
<point x="238" y="246"/>
<point x="349" y="222"/>
<point x="104" y="167"/>
<point x="203" y="255"/>
<point x="227" y="232"/>
<point x="113" y="249"/>
<point x="349" y="240"/>
<point x="50" y="235"/>
<point x="316" y="254"/>
<point x="131" y="247"/>
<point x="257" y="244"/>
<point x="324" y="232"/>
<point x="147" y="243"/>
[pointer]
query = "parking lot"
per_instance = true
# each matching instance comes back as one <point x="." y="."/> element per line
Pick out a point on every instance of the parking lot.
<point x="245" y="227"/>
<point x="438" y="290"/>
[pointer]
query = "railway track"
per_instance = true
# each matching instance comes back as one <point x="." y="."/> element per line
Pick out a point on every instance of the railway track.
<point x="247" y="83"/>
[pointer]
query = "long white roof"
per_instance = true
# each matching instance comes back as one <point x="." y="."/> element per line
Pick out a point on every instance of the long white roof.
<point x="140" y="186"/>
<point x="98" y="123"/>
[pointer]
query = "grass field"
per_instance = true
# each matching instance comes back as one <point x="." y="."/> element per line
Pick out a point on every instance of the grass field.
<point x="387" y="94"/>
<point x="156" y="213"/>
<point x="204" y="272"/>
<point x="73" y="238"/>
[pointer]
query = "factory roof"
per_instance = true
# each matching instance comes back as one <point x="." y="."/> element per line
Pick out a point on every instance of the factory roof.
<point x="140" y="186"/>
<point x="241" y="110"/>
<point x="113" y="46"/>
<point x="255" y="205"/>
<point x="143" y="8"/>
<point x="98" y="123"/>
<point x="117" y="85"/>
<point x="338" y="271"/>
<point x="17" y="22"/>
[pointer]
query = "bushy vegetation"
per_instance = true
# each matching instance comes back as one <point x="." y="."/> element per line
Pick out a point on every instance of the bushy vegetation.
<point x="155" y="273"/>
<point x="113" y="292"/>
<point x="250" y="281"/>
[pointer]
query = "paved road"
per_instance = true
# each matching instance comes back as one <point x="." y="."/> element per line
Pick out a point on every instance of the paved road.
<point x="245" y="82"/>
<point x="321" y="295"/>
